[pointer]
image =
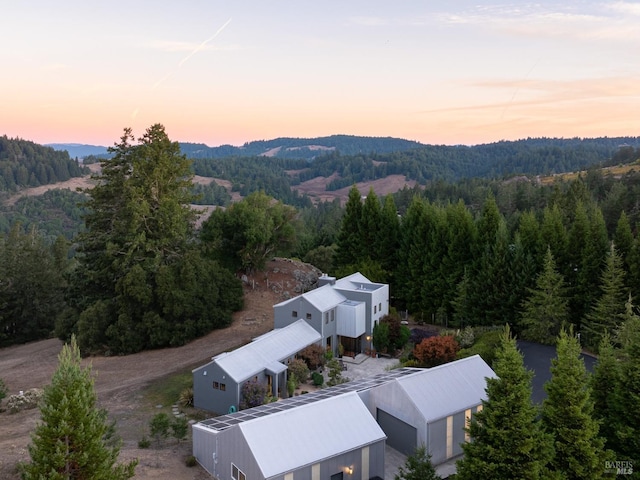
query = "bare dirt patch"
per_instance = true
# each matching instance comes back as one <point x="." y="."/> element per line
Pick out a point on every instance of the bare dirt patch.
<point x="120" y="381"/>
<point x="316" y="187"/>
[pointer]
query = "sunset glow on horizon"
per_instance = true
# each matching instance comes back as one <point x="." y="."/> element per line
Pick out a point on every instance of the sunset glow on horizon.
<point x="233" y="72"/>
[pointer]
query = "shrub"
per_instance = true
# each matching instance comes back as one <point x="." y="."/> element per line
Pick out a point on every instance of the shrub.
<point x="419" y="334"/>
<point x="3" y="390"/>
<point x="313" y="356"/>
<point x="436" y="350"/>
<point x="466" y="337"/>
<point x="485" y="345"/>
<point x="179" y="428"/>
<point x="159" y="426"/>
<point x="298" y="370"/>
<point x="191" y="461"/>
<point x="144" y="442"/>
<point x="381" y="336"/>
<point x="318" y="379"/>
<point x="335" y="373"/>
<point x="186" y="397"/>
<point x="253" y="394"/>
<point x="291" y="386"/>
<point x="29" y="399"/>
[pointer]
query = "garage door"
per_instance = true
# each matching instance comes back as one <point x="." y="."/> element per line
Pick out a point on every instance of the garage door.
<point x="400" y="435"/>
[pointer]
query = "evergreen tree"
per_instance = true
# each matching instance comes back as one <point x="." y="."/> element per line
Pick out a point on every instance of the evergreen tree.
<point x="490" y="286"/>
<point x="31" y="285"/>
<point x="370" y="226"/>
<point x="546" y="309"/>
<point x="605" y="386"/>
<point x="409" y="271"/>
<point x="567" y="414"/>
<point x="606" y="313"/>
<point x="389" y="238"/>
<point x="71" y="440"/>
<point x="507" y="441"/>
<point x="628" y="428"/>
<point x="349" y="239"/>
<point x="590" y="271"/>
<point x="554" y="235"/>
<point x="418" y="466"/>
<point x="139" y="259"/>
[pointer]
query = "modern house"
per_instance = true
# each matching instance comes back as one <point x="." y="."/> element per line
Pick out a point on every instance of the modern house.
<point x="217" y="386"/>
<point x="341" y="432"/>
<point x="432" y="407"/>
<point x="342" y="311"/>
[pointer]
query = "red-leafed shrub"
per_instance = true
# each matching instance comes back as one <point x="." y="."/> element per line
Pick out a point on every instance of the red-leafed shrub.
<point x="436" y="350"/>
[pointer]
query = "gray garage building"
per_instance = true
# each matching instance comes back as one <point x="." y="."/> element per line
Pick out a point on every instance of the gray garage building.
<point x="431" y="407"/>
<point x="340" y="432"/>
<point x="330" y="438"/>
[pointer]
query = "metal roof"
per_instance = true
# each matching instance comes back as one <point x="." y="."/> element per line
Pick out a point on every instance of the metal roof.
<point x="226" y="421"/>
<point x="310" y="433"/>
<point x="324" y="298"/>
<point x="357" y="281"/>
<point x="267" y="349"/>
<point x="446" y="389"/>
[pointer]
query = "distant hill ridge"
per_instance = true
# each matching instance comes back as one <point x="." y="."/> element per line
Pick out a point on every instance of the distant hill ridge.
<point x="284" y="147"/>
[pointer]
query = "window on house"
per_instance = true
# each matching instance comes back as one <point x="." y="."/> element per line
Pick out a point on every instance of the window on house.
<point x="380" y="306"/>
<point x="223" y="387"/>
<point x="294" y="314"/>
<point x="375" y="309"/>
<point x="333" y="315"/>
<point x="326" y="317"/>
<point x="236" y="473"/>
<point x="308" y="316"/>
<point x="216" y="385"/>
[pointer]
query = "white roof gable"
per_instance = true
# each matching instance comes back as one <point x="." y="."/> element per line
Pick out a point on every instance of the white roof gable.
<point x="324" y="298"/>
<point x="271" y="347"/>
<point x="308" y="434"/>
<point x="447" y="389"/>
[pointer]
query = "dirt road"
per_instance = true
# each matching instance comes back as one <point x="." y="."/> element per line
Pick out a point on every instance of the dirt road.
<point x="120" y="380"/>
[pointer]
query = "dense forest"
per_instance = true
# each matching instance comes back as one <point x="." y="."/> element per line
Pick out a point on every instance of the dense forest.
<point x="27" y="164"/>
<point x="464" y="252"/>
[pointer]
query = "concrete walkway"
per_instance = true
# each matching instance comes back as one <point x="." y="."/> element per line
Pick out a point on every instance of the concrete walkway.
<point x="364" y="366"/>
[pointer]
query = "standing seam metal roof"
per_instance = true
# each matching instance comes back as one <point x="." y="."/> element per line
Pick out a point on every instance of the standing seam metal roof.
<point x="311" y="433"/>
<point x="271" y="347"/>
<point x="447" y="389"/>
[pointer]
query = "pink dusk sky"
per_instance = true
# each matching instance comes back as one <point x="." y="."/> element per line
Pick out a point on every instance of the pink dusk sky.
<point x="454" y="72"/>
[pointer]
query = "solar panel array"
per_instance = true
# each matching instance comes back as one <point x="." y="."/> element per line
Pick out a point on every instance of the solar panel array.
<point x="226" y="421"/>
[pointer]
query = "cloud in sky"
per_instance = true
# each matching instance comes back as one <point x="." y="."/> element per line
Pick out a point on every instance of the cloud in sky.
<point x="601" y="22"/>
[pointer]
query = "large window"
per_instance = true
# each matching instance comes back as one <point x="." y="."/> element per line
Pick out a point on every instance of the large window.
<point x="236" y="473"/>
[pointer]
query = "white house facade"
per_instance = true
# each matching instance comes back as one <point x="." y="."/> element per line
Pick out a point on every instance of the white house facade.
<point x="342" y="311"/>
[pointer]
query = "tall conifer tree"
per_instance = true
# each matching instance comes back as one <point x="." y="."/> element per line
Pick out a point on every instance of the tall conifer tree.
<point x="546" y="308"/>
<point x="507" y="440"/>
<point x="607" y="312"/>
<point x="567" y="414"/>
<point x="71" y="440"/>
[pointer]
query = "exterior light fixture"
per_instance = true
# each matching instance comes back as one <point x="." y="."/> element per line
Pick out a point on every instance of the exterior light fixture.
<point x="350" y="470"/>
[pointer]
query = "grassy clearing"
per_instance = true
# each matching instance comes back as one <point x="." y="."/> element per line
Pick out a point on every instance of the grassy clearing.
<point x="166" y="391"/>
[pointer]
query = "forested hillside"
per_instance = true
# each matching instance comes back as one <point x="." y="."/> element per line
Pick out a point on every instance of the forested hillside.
<point x="27" y="164"/>
<point x="301" y="148"/>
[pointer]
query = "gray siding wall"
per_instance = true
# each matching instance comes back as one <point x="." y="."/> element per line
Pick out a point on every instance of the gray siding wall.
<point x="458" y="433"/>
<point x="208" y="398"/>
<point x="230" y="447"/>
<point x="394" y="401"/>
<point x="437" y="444"/>
<point x="333" y="465"/>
